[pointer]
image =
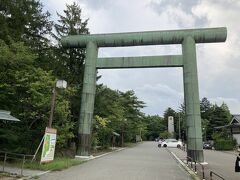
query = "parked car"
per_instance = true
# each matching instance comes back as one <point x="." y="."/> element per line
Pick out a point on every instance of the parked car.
<point x="172" y="143"/>
<point x="207" y="145"/>
<point x="160" y="141"/>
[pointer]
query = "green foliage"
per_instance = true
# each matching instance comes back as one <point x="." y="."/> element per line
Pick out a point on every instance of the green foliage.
<point x="69" y="63"/>
<point x="24" y="20"/>
<point x="213" y="116"/>
<point x="223" y="141"/>
<point x="165" y="135"/>
<point x="104" y="132"/>
<point x="27" y="60"/>
<point x="219" y="116"/>
<point x="223" y="144"/>
<point x="7" y="138"/>
<point x="56" y="165"/>
<point x="154" y="125"/>
<point x="121" y="112"/>
<point x="26" y="92"/>
<point x="63" y="123"/>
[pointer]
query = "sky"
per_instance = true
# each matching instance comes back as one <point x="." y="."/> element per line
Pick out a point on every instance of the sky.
<point x="160" y="88"/>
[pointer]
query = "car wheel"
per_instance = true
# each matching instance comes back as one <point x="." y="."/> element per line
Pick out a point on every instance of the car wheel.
<point x="164" y="145"/>
<point x="178" y="146"/>
<point x="159" y="145"/>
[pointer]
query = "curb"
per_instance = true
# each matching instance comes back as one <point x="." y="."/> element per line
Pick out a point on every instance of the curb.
<point x="184" y="166"/>
<point x="36" y="175"/>
<point x="88" y="158"/>
<point x="95" y="157"/>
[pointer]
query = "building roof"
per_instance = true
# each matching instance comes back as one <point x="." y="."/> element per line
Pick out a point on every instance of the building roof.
<point x="5" y="115"/>
<point x="234" y="125"/>
<point x="235" y="119"/>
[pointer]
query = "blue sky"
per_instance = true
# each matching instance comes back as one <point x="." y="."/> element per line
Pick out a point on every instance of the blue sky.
<point x="218" y="63"/>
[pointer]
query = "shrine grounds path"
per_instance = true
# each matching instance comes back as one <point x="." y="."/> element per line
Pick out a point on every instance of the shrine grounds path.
<point x="143" y="162"/>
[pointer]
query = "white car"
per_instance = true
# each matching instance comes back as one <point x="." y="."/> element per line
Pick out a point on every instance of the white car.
<point x="172" y="143"/>
<point x="160" y="141"/>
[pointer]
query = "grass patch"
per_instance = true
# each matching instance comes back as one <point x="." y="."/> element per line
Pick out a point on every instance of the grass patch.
<point x="193" y="177"/>
<point x="5" y="174"/>
<point x="8" y="176"/>
<point x="56" y="165"/>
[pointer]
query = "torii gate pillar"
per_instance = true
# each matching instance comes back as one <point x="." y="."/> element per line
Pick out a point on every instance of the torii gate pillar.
<point x="191" y="97"/>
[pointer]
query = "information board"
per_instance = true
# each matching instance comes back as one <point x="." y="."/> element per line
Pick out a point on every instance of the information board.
<point x="49" y="144"/>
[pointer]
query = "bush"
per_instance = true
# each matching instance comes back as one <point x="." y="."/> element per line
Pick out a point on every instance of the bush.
<point x="165" y="135"/>
<point x="223" y="144"/>
<point x="223" y="141"/>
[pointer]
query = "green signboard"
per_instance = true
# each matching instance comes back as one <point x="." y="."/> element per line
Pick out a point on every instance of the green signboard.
<point x="49" y="144"/>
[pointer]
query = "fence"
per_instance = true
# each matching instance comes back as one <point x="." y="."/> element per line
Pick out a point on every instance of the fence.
<point x="213" y="173"/>
<point x="14" y="157"/>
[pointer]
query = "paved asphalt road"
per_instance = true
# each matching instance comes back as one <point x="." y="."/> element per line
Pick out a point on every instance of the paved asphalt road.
<point x="144" y="162"/>
<point x="222" y="163"/>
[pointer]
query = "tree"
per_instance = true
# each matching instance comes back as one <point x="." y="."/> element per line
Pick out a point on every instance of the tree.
<point x="23" y="92"/>
<point x="205" y="108"/>
<point x="220" y="116"/>
<point x="24" y="20"/>
<point x="122" y="110"/>
<point x="165" y="135"/>
<point x="154" y="126"/>
<point x="26" y="92"/>
<point x="132" y="115"/>
<point x="103" y="132"/>
<point x="69" y="63"/>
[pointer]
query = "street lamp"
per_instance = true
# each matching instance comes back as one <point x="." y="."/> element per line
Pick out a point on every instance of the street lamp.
<point x="123" y="128"/>
<point x="205" y="134"/>
<point x="179" y="126"/>
<point x="60" y="84"/>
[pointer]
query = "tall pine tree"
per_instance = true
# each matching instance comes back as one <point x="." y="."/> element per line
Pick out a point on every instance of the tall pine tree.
<point x="69" y="63"/>
<point x="25" y="20"/>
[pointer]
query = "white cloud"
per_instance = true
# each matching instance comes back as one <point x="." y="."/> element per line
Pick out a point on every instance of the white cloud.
<point x="218" y="63"/>
<point x="232" y="103"/>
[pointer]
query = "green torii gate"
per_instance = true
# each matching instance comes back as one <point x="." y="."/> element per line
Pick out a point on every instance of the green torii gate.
<point x="188" y="39"/>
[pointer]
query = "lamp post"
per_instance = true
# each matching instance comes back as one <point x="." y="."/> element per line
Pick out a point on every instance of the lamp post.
<point x="60" y="84"/>
<point x="205" y="134"/>
<point x="123" y="129"/>
<point x="179" y="126"/>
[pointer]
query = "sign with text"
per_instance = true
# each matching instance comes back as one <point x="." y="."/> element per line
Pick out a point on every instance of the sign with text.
<point x="49" y="144"/>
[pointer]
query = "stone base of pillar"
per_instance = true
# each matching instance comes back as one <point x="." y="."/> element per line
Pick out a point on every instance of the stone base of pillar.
<point x="195" y="155"/>
<point x="84" y="145"/>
